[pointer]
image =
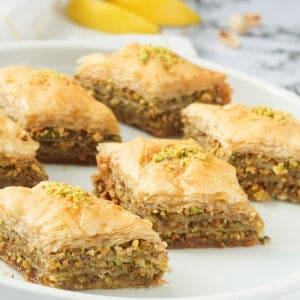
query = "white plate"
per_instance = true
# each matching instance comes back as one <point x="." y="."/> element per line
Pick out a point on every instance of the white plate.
<point x="261" y="272"/>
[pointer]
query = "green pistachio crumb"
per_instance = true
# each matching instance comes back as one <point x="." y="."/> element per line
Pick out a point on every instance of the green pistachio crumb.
<point x="10" y="79"/>
<point x="74" y="194"/>
<point x="157" y="157"/>
<point x="280" y="169"/>
<point x="277" y="115"/>
<point x="143" y="56"/>
<point x="293" y="163"/>
<point x="194" y="210"/>
<point x="135" y="243"/>
<point x="118" y="262"/>
<point x="43" y="76"/>
<point x="183" y="153"/>
<point x="168" y="57"/>
<point x="35" y="167"/>
<point x="262" y="195"/>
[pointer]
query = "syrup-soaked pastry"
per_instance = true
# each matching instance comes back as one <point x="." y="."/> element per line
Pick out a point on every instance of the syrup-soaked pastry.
<point x="147" y="86"/>
<point x="192" y="198"/>
<point x="61" y="236"/>
<point x="263" y="144"/>
<point x="57" y="112"/>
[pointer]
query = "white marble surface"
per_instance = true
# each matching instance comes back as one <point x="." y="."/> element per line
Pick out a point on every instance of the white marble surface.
<point x="271" y="51"/>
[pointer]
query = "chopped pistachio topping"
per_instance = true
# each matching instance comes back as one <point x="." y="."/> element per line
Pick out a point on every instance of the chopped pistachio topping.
<point x="144" y="56"/>
<point x="74" y="194"/>
<point x="277" y="115"/>
<point x="280" y="169"/>
<point x="168" y="57"/>
<point x="293" y="163"/>
<point x="44" y="75"/>
<point x="135" y="243"/>
<point x="183" y="153"/>
<point x="10" y="79"/>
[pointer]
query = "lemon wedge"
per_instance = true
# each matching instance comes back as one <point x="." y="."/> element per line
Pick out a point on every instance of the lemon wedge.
<point x="108" y="17"/>
<point x="163" y="12"/>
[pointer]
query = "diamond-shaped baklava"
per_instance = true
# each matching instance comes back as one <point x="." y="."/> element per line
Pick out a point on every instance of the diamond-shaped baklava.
<point x="263" y="144"/>
<point x="147" y="86"/>
<point x="64" y="237"/>
<point x="18" y="165"/>
<point x="192" y="198"/>
<point x="57" y="112"/>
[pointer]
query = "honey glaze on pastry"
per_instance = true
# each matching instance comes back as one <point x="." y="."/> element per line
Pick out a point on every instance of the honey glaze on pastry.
<point x="192" y="198"/>
<point x="147" y="86"/>
<point x="62" y="236"/>
<point x="262" y="143"/>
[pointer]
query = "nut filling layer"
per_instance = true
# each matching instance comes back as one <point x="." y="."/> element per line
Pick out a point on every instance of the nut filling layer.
<point x="156" y="116"/>
<point x="136" y="263"/>
<point x="62" y="145"/>
<point x="21" y="173"/>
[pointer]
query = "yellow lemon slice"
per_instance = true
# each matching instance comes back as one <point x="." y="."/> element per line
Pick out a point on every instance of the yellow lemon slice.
<point x="163" y="12"/>
<point x="108" y="17"/>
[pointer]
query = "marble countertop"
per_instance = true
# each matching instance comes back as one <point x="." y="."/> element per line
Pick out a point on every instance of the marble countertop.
<point x="271" y="51"/>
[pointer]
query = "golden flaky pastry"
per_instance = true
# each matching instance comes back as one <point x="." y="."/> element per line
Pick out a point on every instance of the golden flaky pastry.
<point x="15" y="142"/>
<point x="55" y="215"/>
<point x="44" y="98"/>
<point x="152" y="72"/>
<point x="173" y="173"/>
<point x="239" y="128"/>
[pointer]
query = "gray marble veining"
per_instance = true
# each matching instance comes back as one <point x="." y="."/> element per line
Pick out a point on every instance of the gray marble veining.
<point x="270" y="51"/>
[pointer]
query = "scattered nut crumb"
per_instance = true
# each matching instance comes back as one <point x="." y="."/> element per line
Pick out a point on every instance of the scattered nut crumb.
<point x="253" y="19"/>
<point x="229" y="39"/>
<point x="242" y="23"/>
<point x="24" y="136"/>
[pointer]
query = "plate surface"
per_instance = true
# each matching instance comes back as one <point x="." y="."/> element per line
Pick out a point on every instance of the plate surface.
<point x="261" y="272"/>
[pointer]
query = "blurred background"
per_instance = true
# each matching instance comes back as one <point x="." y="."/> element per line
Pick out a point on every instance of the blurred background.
<point x="269" y="50"/>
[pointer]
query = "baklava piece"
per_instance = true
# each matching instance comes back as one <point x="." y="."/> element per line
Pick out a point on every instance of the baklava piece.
<point x="147" y="86"/>
<point x="18" y="165"/>
<point x="263" y="144"/>
<point x="192" y="198"/>
<point x="58" y="113"/>
<point x="64" y="237"/>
